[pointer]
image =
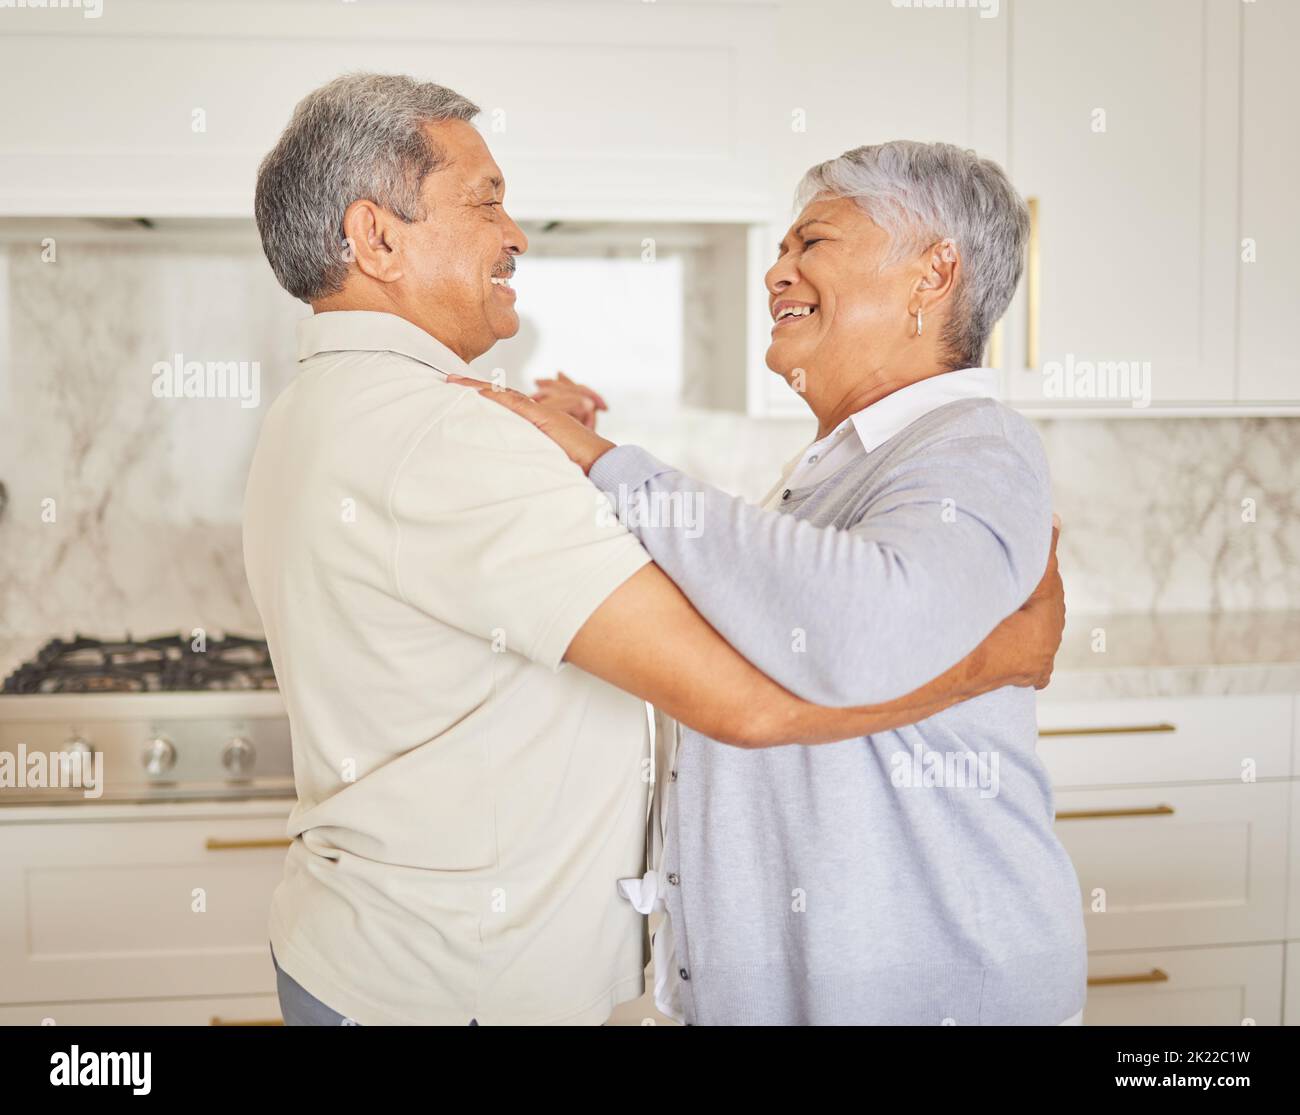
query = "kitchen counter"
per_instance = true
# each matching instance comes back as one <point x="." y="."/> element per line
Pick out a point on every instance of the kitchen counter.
<point x="1177" y="655"/>
<point x="1170" y="655"/>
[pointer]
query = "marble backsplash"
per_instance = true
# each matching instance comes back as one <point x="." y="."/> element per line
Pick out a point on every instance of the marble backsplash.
<point x="122" y="510"/>
<point x="1160" y="515"/>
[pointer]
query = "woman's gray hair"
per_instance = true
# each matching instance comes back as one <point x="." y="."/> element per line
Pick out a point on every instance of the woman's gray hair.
<point x="920" y="193"/>
<point x="360" y="136"/>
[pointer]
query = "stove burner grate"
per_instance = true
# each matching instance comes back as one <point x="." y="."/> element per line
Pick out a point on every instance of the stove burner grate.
<point x="165" y="664"/>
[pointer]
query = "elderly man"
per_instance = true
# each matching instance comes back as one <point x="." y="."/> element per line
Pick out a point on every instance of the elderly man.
<point x="425" y="563"/>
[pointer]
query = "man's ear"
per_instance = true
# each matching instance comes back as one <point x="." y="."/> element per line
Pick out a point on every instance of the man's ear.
<point x="940" y="268"/>
<point x="371" y="241"/>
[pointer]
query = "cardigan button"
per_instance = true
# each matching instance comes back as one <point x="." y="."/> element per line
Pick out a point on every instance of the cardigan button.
<point x="683" y="973"/>
<point x="674" y="879"/>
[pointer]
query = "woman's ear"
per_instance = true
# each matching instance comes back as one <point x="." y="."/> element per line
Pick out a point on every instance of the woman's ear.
<point x="936" y="271"/>
<point x="942" y="265"/>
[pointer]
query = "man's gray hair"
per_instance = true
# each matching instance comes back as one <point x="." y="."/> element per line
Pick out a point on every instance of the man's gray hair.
<point x="360" y="136"/>
<point x="920" y="193"/>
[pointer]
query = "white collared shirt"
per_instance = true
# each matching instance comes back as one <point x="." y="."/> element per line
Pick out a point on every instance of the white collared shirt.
<point x="876" y="424"/>
<point x="858" y="434"/>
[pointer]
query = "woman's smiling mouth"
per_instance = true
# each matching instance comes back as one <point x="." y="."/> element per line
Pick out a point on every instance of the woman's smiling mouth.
<point x="785" y="313"/>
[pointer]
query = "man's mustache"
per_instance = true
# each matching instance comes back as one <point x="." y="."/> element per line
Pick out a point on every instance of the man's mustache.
<point x="504" y="269"/>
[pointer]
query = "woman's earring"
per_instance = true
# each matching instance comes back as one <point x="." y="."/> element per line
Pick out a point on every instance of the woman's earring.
<point x="918" y="323"/>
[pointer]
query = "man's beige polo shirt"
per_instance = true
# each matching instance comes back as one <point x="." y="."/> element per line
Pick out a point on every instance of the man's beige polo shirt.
<point x="421" y="559"/>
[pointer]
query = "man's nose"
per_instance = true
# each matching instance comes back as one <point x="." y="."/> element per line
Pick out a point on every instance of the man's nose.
<point x="516" y="242"/>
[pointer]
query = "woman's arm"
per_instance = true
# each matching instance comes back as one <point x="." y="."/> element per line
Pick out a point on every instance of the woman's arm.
<point x="953" y="543"/>
<point x="917" y="584"/>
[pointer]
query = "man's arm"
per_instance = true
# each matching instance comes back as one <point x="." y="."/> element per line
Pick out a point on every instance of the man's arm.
<point x="954" y="544"/>
<point x="502" y="535"/>
<point x="646" y="638"/>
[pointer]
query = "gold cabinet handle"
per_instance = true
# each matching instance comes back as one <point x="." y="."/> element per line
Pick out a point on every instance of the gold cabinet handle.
<point x="1033" y="288"/>
<point x="218" y="1021"/>
<point x="1122" y="730"/>
<point x="215" y="844"/>
<point x="1156" y="975"/>
<point x="1098" y="814"/>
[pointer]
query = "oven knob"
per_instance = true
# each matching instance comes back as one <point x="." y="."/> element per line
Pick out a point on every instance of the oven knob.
<point x="238" y="756"/>
<point x="159" y="756"/>
<point x="77" y="755"/>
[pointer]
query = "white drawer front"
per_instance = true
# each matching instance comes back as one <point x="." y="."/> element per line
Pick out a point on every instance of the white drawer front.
<point x="1291" y="1005"/>
<point x="107" y="909"/>
<point x="1185" y="739"/>
<point x="1186" y="987"/>
<point x="1295" y="736"/>
<point x="246" y="1010"/>
<point x="1293" y="910"/>
<point x="1178" y="865"/>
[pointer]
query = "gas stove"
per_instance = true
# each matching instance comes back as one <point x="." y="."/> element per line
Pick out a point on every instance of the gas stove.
<point x="166" y="664"/>
<point x="159" y="719"/>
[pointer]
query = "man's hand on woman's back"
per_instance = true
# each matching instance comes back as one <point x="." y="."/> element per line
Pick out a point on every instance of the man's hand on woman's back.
<point x="1043" y="619"/>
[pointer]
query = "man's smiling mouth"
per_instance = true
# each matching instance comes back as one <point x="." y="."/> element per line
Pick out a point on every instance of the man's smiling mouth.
<point x="501" y="279"/>
<point x="502" y="273"/>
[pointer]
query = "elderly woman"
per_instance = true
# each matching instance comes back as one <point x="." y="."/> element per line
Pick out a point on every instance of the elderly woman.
<point x="913" y="877"/>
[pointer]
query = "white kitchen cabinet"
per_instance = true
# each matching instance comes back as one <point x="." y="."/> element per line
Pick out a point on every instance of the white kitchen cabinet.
<point x="1178" y="865"/>
<point x="138" y="902"/>
<point x="1124" y="122"/>
<point x="1295" y="736"/>
<point x="1270" y="171"/>
<point x="622" y="110"/>
<point x="1165" y="740"/>
<point x="1291" y="1003"/>
<point x="1293" y="890"/>
<point x="1186" y="987"/>
<point x="232" y="1010"/>
<point x="1185" y="869"/>
<point x="688" y="110"/>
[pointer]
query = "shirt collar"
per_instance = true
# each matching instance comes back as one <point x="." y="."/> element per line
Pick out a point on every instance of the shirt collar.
<point x="891" y="415"/>
<point x="371" y="331"/>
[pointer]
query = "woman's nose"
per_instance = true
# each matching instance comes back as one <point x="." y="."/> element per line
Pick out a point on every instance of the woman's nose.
<point x="780" y="275"/>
